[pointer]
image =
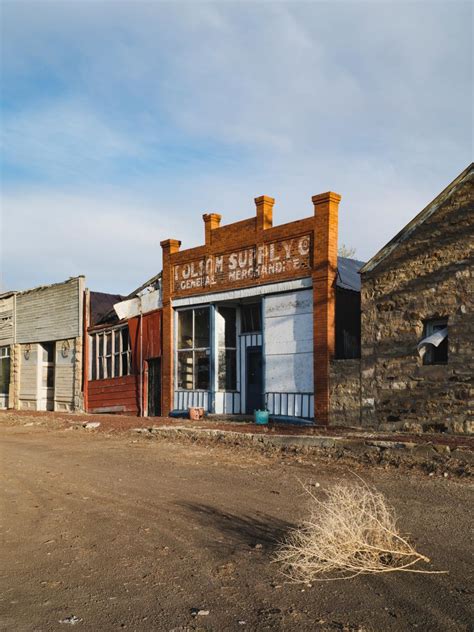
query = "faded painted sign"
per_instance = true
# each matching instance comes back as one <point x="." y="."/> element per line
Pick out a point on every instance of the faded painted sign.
<point x="281" y="258"/>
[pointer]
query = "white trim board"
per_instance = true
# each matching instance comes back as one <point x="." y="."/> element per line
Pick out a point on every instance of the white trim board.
<point x="231" y="295"/>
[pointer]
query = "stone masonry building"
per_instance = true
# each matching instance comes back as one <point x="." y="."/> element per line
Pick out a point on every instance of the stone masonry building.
<point x="417" y="318"/>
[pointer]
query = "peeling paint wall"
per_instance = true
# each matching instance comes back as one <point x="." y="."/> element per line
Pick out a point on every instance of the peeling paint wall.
<point x="288" y="335"/>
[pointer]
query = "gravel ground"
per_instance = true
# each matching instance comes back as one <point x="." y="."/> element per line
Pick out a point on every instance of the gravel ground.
<point x="124" y="533"/>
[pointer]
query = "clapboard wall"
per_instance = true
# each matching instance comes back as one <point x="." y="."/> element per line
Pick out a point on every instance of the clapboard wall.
<point x="7" y="325"/>
<point x="50" y="313"/>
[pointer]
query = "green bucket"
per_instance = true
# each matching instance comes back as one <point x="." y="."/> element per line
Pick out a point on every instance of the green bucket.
<point x="261" y="417"/>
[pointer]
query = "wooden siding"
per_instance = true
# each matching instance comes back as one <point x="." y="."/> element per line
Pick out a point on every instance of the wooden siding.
<point x="50" y="313"/>
<point x="7" y="329"/>
<point x="64" y="376"/>
<point x="119" y="394"/>
<point x="29" y="378"/>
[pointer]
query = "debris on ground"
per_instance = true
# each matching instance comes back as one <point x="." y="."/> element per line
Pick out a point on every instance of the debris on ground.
<point x="72" y="620"/>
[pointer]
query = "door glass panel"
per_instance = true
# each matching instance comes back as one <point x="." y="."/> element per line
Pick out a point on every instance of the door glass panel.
<point x="201" y="366"/>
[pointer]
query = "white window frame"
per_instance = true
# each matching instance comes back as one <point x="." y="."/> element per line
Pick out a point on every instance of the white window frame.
<point x="193" y="350"/>
<point x="101" y="354"/>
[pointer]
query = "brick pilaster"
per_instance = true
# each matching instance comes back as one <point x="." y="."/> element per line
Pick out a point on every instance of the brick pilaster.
<point x="324" y="273"/>
<point x="211" y="222"/>
<point x="169" y="247"/>
<point x="264" y="205"/>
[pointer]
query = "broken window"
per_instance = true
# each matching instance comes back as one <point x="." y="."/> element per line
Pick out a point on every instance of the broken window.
<point x="4" y="370"/>
<point x="194" y="349"/>
<point x="433" y="349"/>
<point x="226" y="324"/>
<point x="110" y="354"/>
<point x="251" y="318"/>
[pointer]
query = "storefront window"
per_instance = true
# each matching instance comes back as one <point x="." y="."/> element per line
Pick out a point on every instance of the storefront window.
<point x="194" y="349"/>
<point x="227" y="340"/>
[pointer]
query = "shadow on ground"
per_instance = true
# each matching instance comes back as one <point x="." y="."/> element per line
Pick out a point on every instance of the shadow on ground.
<point x="243" y="530"/>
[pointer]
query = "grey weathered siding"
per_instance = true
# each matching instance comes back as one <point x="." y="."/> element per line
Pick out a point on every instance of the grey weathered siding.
<point x="7" y="329"/>
<point x="50" y="313"/>
<point x="64" y="375"/>
<point x="28" y="377"/>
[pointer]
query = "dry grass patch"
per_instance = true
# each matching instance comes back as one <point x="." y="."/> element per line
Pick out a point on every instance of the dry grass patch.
<point x="350" y="531"/>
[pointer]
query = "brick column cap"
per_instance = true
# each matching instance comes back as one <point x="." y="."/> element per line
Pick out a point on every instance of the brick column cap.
<point x="329" y="196"/>
<point x="264" y="198"/>
<point x="172" y="244"/>
<point x="212" y="217"/>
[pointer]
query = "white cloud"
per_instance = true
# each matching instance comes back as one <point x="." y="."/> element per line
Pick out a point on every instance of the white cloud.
<point x="158" y="112"/>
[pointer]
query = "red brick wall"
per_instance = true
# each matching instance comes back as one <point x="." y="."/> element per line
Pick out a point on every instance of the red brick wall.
<point x="258" y="234"/>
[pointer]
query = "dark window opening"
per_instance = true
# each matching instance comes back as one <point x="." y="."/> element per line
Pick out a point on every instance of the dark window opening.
<point x="251" y="318"/>
<point x="347" y="324"/>
<point x="436" y="354"/>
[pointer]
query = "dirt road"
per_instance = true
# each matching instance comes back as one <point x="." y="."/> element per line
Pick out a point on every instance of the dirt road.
<point x="125" y="533"/>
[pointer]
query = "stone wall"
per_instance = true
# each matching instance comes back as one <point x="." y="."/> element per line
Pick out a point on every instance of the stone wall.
<point x="345" y="392"/>
<point x="427" y="276"/>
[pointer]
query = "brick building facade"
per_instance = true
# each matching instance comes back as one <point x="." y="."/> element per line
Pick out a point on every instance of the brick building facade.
<point x="249" y="317"/>
<point x="419" y="289"/>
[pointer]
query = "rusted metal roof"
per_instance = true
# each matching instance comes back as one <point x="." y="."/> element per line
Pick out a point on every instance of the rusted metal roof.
<point x="348" y="277"/>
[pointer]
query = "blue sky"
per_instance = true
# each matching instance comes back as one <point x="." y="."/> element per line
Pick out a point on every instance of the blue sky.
<point x="121" y="123"/>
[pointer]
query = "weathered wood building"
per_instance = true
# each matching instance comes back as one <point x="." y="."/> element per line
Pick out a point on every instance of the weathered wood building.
<point x="417" y="318"/>
<point x="122" y="370"/>
<point x="41" y="347"/>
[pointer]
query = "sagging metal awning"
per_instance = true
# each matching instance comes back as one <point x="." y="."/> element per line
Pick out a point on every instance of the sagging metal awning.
<point x="434" y="339"/>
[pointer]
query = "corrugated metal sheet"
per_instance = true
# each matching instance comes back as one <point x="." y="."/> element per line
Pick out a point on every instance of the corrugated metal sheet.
<point x="348" y="277"/>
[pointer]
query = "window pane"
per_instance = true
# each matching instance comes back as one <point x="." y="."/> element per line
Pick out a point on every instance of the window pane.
<point x="117" y="365"/>
<point x="201" y="370"/>
<point x="4" y="374"/>
<point x="109" y="366"/>
<point x="226" y="326"/>
<point x="117" y="339"/>
<point x="185" y="329"/>
<point x="109" y="343"/>
<point x="227" y="370"/>
<point x="125" y="363"/>
<point x="101" y="368"/>
<point x="125" y="338"/>
<point x="201" y="327"/>
<point x="93" y="358"/>
<point x="185" y="370"/>
<point x="251" y="318"/>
